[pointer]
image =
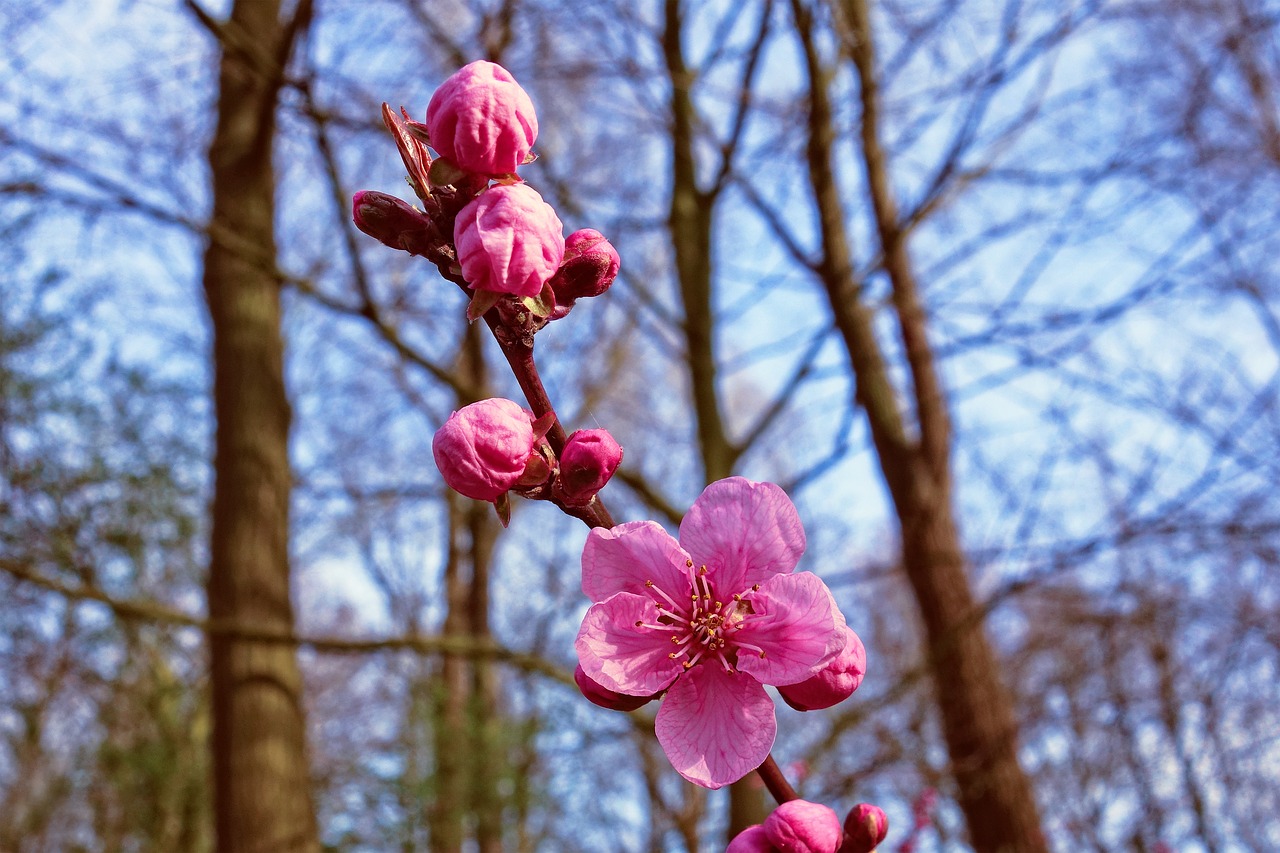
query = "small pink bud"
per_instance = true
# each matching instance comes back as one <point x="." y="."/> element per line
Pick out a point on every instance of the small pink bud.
<point x="481" y="120"/>
<point x="509" y="240"/>
<point x="395" y="223"/>
<point x="800" y="826"/>
<point x="589" y="459"/>
<point x="864" y="828"/>
<point x="590" y="266"/>
<point x="600" y="695"/>
<point x="835" y="683"/>
<point x="751" y="840"/>
<point x="483" y="448"/>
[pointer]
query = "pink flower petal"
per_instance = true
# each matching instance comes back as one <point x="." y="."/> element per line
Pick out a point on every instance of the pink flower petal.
<point x="622" y="559"/>
<point x="618" y="655"/>
<point x="797" y="624"/>
<point x="744" y="532"/>
<point x="716" y="727"/>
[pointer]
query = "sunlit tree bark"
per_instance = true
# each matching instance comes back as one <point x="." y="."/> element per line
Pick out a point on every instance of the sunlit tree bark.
<point x="261" y="774"/>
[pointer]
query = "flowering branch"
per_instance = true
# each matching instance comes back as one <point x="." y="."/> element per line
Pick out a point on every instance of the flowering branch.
<point x="701" y="623"/>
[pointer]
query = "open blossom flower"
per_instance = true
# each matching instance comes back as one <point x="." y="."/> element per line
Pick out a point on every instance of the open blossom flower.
<point x="711" y="619"/>
<point x="483" y="449"/>
<point x="509" y="240"/>
<point x="481" y="120"/>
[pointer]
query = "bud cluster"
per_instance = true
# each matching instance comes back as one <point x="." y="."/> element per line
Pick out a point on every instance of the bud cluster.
<point x="480" y="223"/>
<point x="496" y="446"/>
<point x="800" y="826"/>
<point x="488" y="231"/>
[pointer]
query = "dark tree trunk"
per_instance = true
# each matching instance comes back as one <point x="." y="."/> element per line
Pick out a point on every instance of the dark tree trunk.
<point x="978" y="719"/>
<point x="262" y="784"/>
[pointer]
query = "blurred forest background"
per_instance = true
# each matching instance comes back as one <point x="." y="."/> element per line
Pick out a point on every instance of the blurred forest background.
<point x="991" y="287"/>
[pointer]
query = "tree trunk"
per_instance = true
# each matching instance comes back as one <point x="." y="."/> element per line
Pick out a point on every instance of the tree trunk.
<point x="978" y="719"/>
<point x="262" y="784"/>
<point x="690" y="224"/>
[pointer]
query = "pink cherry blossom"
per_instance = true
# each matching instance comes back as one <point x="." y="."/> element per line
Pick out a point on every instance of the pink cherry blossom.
<point x="509" y="240"/>
<point x="711" y="619"/>
<point x="483" y="448"/>
<point x="800" y="826"/>
<point x="481" y="120"/>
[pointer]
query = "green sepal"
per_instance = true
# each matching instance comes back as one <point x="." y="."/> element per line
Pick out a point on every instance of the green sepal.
<point x="443" y="173"/>
<point x="481" y="302"/>
<point x="543" y="425"/>
<point x="503" y="505"/>
<point x="541" y="305"/>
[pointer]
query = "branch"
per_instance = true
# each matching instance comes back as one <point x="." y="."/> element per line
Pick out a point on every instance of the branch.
<point x="141" y="610"/>
<point x="931" y="409"/>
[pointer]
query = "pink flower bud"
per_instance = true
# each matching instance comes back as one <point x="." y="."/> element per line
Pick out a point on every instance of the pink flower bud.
<point x="483" y="448"/>
<point x="835" y="683"/>
<point x="864" y="829"/>
<point x="600" y="695"/>
<point x="590" y="266"/>
<point x="395" y="223"/>
<point x="509" y="240"/>
<point x="481" y="120"/>
<point x="589" y="459"/>
<point x="751" y="840"/>
<point x="800" y="826"/>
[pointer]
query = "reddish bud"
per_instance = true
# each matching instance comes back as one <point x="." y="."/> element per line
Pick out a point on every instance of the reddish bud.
<point x="395" y="223"/>
<point x="481" y="120"/>
<point x="589" y="459"/>
<point x="482" y="449"/>
<point x="834" y="683"/>
<point x="509" y="240"/>
<point x="751" y="840"/>
<point x="589" y="268"/>
<point x="800" y="826"/>
<point x="600" y="695"/>
<point x="864" y="828"/>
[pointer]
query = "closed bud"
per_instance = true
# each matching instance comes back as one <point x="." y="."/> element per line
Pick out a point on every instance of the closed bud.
<point x="509" y="240"/>
<point x="481" y="120"/>
<point x="751" y="840"/>
<point x="590" y="266"/>
<point x="589" y="459"/>
<point x="600" y="695"/>
<point x="834" y="683"/>
<point x="800" y="826"/>
<point x="864" y="828"/>
<point x="395" y="223"/>
<point x="483" y="449"/>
